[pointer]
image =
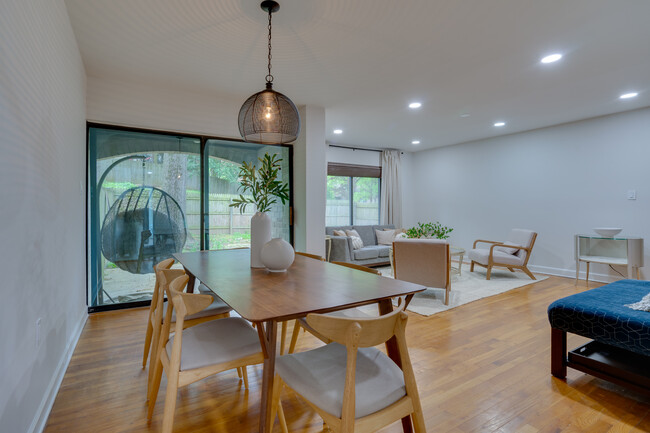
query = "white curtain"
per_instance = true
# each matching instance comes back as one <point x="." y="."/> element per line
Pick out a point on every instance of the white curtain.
<point x="391" y="191"/>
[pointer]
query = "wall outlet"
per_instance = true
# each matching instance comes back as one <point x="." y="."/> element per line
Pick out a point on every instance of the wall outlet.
<point x="38" y="331"/>
<point x="631" y="194"/>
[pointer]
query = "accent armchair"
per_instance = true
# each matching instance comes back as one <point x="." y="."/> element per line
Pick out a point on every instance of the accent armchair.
<point x="512" y="254"/>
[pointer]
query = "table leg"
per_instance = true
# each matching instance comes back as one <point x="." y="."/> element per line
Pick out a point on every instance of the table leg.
<point x="191" y="281"/>
<point x="385" y="307"/>
<point x="268" y="333"/>
<point x="460" y="264"/>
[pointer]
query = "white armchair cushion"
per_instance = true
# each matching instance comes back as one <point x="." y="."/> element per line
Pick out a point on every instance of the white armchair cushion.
<point x="319" y="376"/>
<point x="481" y="255"/>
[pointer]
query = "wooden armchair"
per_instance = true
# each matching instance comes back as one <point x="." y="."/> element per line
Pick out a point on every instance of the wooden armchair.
<point x="511" y="254"/>
<point x="352" y="385"/>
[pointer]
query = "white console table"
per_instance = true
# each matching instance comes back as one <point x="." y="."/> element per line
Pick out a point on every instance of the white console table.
<point x="626" y="251"/>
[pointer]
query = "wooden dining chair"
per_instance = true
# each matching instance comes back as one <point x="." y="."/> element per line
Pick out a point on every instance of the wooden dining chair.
<point x="301" y="323"/>
<point x="165" y="264"/>
<point x="195" y="353"/>
<point x="216" y="310"/>
<point x="352" y="385"/>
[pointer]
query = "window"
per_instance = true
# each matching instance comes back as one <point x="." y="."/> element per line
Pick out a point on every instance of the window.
<point x="153" y="194"/>
<point x="353" y="195"/>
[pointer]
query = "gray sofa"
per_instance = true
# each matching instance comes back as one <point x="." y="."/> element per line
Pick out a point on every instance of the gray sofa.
<point x="370" y="255"/>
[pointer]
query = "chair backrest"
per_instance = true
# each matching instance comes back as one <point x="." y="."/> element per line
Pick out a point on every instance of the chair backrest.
<point x="422" y="261"/>
<point x="358" y="332"/>
<point x="311" y="256"/>
<point x="165" y="264"/>
<point x="184" y="304"/>
<point x="524" y="238"/>
<point x="358" y="267"/>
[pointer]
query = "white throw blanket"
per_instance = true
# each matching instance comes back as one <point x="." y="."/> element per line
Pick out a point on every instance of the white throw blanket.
<point x="642" y="305"/>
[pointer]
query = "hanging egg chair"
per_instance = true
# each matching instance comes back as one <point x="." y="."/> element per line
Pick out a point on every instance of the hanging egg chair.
<point x="143" y="226"/>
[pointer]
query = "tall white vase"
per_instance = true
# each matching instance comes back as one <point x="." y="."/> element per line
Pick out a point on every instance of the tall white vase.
<point x="260" y="235"/>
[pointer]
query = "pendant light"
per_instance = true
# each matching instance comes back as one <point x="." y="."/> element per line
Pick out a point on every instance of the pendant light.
<point x="269" y="117"/>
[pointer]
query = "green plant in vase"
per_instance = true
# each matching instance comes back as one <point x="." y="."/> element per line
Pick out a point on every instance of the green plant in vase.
<point x="429" y="230"/>
<point x="263" y="189"/>
<point x="262" y="184"/>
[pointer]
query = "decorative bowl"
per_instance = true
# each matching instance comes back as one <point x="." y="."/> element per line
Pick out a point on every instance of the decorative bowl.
<point x="608" y="232"/>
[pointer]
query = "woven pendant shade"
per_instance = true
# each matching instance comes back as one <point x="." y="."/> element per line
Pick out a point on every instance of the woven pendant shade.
<point x="269" y="117"/>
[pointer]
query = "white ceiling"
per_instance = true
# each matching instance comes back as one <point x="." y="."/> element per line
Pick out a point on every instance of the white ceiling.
<point x="365" y="60"/>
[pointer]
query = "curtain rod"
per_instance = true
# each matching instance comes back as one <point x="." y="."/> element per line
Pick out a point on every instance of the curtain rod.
<point x="360" y="148"/>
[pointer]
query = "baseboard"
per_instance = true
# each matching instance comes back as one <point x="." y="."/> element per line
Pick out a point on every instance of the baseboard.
<point x="568" y="273"/>
<point x="571" y="273"/>
<point x="40" y="419"/>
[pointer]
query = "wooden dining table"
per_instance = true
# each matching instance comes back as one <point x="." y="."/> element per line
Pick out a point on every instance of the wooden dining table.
<point x="308" y="286"/>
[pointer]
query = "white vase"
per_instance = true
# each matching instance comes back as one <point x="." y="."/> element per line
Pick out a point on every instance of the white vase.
<point x="277" y="255"/>
<point x="260" y="235"/>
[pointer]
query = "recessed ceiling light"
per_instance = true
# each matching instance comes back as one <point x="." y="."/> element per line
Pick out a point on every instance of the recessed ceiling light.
<point x="551" y="58"/>
<point x="629" y="95"/>
<point x="415" y="142"/>
<point x="464" y="115"/>
<point x="500" y="124"/>
<point x="415" y="105"/>
<point x="338" y="131"/>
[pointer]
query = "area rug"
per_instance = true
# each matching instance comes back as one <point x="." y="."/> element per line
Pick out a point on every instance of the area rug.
<point x="465" y="288"/>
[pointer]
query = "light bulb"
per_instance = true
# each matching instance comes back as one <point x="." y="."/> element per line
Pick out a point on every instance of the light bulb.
<point x="268" y="113"/>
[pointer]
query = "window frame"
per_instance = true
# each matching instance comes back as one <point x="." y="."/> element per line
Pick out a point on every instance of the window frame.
<point x="352" y="171"/>
<point x="91" y="178"/>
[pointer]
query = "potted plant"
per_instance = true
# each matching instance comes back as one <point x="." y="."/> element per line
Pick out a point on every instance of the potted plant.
<point x="263" y="190"/>
<point x="429" y="230"/>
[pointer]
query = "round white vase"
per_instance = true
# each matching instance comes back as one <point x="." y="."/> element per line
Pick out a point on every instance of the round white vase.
<point x="260" y="235"/>
<point x="277" y="255"/>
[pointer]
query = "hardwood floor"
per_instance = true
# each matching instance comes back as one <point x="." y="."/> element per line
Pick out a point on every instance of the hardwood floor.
<point x="481" y="367"/>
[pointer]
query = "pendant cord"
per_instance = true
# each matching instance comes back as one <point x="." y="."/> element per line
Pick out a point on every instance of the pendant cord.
<point x="269" y="77"/>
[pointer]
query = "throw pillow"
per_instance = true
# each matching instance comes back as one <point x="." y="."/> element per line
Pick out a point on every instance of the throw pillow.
<point x="385" y="237"/>
<point x="339" y="233"/>
<point x="357" y="243"/>
<point x="508" y="250"/>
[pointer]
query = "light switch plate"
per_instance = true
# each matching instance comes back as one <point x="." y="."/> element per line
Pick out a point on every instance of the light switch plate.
<point x="631" y="194"/>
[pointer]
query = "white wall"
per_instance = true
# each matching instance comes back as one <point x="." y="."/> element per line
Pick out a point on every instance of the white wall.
<point x="145" y="106"/>
<point x="557" y="181"/>
<point x="42" y="239"/>
<point x="310" y="178"/>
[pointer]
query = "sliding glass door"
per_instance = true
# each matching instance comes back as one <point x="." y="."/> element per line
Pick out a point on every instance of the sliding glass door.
<point x="155" y="194"/>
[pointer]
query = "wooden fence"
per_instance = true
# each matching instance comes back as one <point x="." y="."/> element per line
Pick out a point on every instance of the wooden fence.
<point x="337" y="213"/>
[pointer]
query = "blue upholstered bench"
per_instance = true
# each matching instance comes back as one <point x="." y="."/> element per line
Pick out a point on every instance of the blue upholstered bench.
<point x="620" y="350"/>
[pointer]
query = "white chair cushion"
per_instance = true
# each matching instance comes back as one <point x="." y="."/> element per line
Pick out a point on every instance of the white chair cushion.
<point x="217" y="307"/>
<point x="319" y="376"/>
<point x="215" y="342"/>
<point x="481" y="255"/>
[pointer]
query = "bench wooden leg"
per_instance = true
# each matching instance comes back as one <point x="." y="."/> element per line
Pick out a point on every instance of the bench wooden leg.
<point x="558" y="353"/>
